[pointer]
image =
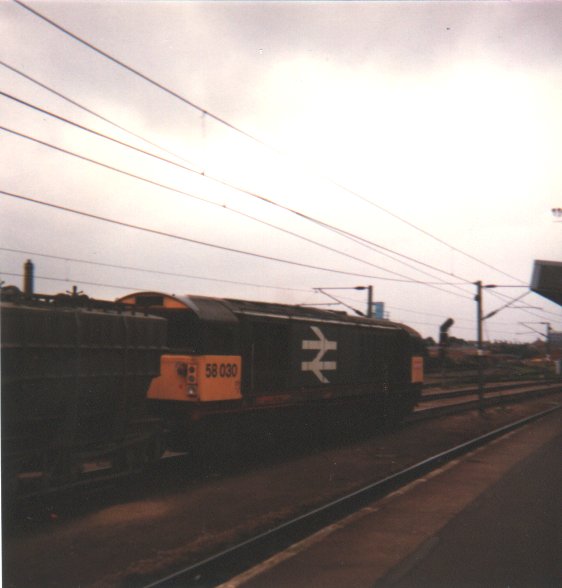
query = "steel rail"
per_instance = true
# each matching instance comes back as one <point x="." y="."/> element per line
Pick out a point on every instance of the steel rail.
<point x="219" y="568"/>
<point x="495" y="387"/>
<point x="422" y="414"/>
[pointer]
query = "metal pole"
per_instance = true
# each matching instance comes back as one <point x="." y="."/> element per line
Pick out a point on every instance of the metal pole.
<point x="370" y="301"/>
<point x="28" y="273"/>
<point x="480" y="350"/>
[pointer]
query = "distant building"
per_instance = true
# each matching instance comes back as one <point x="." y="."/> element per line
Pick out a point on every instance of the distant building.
<point x="378" y="310"/>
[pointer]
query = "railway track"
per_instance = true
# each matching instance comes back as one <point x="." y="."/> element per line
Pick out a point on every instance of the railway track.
<point x="436" y="404"/>
<point x="176" y="516"/>
<point x="432" y="405"/>
<point x="431" y="392"/>
<point x="219" y="568"/>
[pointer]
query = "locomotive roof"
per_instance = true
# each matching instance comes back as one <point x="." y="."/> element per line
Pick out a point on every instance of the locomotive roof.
<point x="227" y="310"/>
<point x="272" y="309"/>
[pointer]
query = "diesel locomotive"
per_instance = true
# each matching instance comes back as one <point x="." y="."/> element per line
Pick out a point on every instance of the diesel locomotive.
<point x="230" y="360"/>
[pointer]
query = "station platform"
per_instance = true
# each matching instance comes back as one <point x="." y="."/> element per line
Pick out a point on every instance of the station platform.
<point x="491" y="518"/>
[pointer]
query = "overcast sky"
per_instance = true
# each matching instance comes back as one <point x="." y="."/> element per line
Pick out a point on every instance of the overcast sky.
<point x="427" y="132"/>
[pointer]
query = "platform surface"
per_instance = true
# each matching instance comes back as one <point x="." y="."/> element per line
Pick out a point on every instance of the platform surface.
<point x="491" y="518"/>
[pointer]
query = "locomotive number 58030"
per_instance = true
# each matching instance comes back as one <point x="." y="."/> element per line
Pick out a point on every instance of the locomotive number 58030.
<point x="221" y="370"/>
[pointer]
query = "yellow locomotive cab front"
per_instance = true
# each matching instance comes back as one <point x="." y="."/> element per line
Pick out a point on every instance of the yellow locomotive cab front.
<point x="201" y="378"/>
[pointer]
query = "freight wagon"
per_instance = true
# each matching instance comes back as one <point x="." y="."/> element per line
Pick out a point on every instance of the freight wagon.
<point x="75" y="372"/>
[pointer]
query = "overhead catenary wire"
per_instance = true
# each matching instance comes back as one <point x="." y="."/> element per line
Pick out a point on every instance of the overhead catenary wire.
<point x="447" y="244"/>
<point x="374" y="246"/>
<point x="491" y="290"/>
<point x="78" y="260"/>
<point x="237" y="129"/>
<point x="511" y="300"/>
<point x="97" y="133"/>
<point x="338" y="230"/>
<point x="80" y="282"/>
<point x="420" y="282"/>
<point x="491" y="293"/>
<point x="380" y="249"/>
<point x="77" y="282"/>
<point x="160" y="185"/>
<point x="199" y="242"/>
<point x="441" y="316"/>
<point x="259" y="220"/>
<point x="93" y="112"/>
<point x="508" y="304"/>
<point x="149" y="271"/>
<point x="528" y="311"/>
<point x="140" y="74"/>
<point x="385" y="252"/>
<point x="457" y="319"/>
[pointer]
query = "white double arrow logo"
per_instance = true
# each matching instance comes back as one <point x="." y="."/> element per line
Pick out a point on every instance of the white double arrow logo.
<point x="322" y="345"/>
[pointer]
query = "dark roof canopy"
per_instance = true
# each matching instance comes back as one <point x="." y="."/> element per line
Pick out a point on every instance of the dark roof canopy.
<point x="547" y="280"/>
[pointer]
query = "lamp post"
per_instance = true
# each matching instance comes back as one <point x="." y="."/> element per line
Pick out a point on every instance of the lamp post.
<point x="480" y="350"/>
<point x="369" y="313"/>
<point x="479" y="320"/>
<point x="369" y="289"/>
